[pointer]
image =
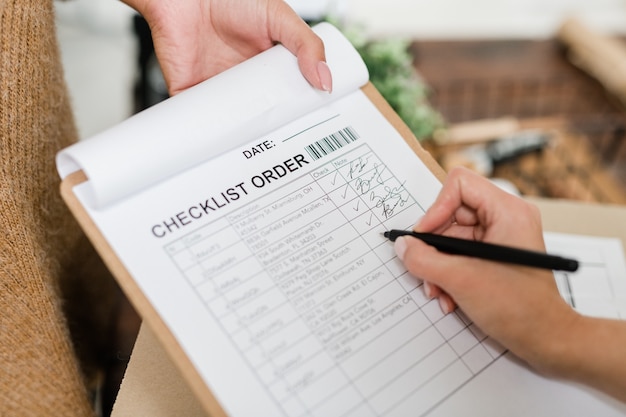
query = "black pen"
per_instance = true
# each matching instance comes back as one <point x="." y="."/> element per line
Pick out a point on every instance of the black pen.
<point x="489" y="251"/>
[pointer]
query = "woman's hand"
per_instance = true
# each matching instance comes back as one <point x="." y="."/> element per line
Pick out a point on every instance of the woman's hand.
<point x="518" y="306"/>
<point x="196" y="39"/>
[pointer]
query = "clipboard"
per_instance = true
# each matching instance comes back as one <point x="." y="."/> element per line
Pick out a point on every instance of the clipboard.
<point x="209" y="403"/>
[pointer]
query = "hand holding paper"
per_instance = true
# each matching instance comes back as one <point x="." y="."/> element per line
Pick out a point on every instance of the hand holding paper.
<point x="195" y="40"/>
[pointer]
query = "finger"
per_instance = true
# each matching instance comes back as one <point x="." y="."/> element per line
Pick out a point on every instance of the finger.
<point x="430" y="290"/>
<point x="462" y="232"/>
<point x="463" y="188"/>
<point x="290" y="30"/>
<point x="465" y="216"/>
<point x="417" y="258"/>
<point x="446" y="302"/>
<point x="461" y="225"/>
<point x="440" y="272"/>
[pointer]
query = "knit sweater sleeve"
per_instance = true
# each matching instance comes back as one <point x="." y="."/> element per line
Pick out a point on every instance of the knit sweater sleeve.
<point x="39" y="372"/>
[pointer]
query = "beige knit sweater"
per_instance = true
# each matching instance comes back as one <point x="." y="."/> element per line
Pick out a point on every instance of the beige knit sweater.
<point x="41" y="248"/>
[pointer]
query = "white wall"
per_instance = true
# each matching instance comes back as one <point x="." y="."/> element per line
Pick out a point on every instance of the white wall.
<point x="99" y="50"/>
<point x="482" y="19"/>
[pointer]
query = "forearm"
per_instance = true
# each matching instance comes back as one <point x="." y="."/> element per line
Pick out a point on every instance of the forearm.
<point x="593" y="353"/>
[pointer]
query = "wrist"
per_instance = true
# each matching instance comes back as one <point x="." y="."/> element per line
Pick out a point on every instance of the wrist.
<point x="556" y="351"/>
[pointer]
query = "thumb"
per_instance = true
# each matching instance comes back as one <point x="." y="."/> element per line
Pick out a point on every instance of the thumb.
<point x="442" y="270"/>
<point x="294" y="34"/>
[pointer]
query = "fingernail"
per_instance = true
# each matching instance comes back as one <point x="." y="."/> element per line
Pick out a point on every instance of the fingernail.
<point x="417" y="224"/>
<point x="400" y="247"/>
<point x="445" y="306"/>
<point x="326" y="78"/>
<point x="428" y="290"/>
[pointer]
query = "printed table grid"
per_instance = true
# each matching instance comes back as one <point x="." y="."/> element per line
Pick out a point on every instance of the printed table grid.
<point x="308" y="292"/>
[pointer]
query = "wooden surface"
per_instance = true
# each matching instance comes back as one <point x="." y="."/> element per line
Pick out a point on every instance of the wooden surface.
<point x="472" y="80"/>
<point x="600" y="55"/>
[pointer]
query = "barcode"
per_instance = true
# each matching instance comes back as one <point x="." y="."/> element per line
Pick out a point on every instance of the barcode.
<point x="332" y="142"/>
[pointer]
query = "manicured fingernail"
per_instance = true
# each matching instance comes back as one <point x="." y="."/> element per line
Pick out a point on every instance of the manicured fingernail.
<point x="428" y="290"/>
<point x="445" y="305"/>
<point x="400" y="247"/>
<point x="417" y="224"/>
<point x="326" y="79"/>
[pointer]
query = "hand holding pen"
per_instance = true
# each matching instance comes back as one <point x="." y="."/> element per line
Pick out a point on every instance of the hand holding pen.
<point x="517" y="305"/>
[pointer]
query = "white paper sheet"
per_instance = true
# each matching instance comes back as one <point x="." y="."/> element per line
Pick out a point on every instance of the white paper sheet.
<point x="598" y="288"/>
<point x="218" y="115"/>
<point x="260" y="270"/>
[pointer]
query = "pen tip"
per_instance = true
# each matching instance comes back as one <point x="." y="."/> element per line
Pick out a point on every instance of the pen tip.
<point x="386" y="234"/>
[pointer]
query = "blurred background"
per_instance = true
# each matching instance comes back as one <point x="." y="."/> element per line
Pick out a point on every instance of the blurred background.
<point x="101" y="51"/>
<point x="477" y="61"/>
<point x="529" y="93"/>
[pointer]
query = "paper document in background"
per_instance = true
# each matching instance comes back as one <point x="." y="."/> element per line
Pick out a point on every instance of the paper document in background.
<point x="598" y="288"/>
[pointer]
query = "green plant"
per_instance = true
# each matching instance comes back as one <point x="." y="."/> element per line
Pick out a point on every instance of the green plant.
<point x="391" y="69"/>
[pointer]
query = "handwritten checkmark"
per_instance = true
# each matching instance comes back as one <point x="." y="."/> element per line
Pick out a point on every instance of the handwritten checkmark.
<point x="369" y="222"/>
<point x="345" y="192"/>
<point x="334" y="179"/>
<point x="358" y="202"/>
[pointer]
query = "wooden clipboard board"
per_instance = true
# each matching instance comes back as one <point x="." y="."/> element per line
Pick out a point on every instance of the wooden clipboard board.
<point x="147" y="311"/>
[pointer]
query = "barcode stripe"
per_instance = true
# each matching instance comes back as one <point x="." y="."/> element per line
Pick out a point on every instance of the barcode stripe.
<point x="331" y="143"/>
